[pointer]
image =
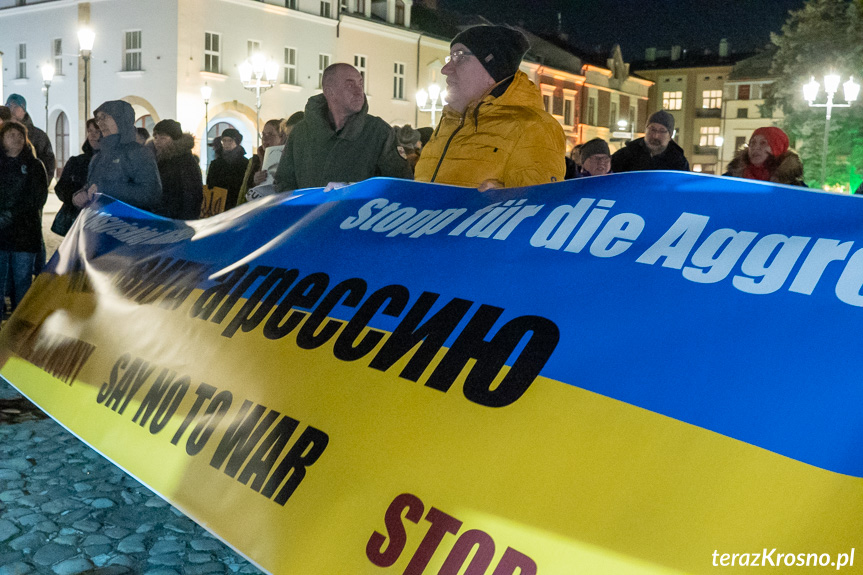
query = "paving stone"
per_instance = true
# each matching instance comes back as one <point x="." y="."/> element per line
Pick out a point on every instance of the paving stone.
<point x="205" y="568"/>
<point x="168" y="560"/>
<point x="46" y="526"/>
<point x="102" y="503"/>
<point x="7" y="530"/>
<point x="16" y="568"/>
<point x="9" y="475"/>
<point x="132" y="544"/>
<point x="115" y="532"/>
<point x="205" y="545"/>
<point x="16" y="463"/>
<point x="167" y="546"/>
<point x="160" y="571"/>
<point x="73" y="566"/>
<point x="10" y="495"/>
<point x="87" y="525"/>
<point x="31" y="519"/>
<point x="52" y="553"/>
<point x="59" y="505"/>
<point x="30" y="540"/>
<point x="93" y="550"/>
<point x="67" y="539"/>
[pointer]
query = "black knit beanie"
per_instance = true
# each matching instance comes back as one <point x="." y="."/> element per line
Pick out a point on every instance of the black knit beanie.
<point x="234" y="135"/>
<point x="170" y="128"/>
<point x="498" y="48"/>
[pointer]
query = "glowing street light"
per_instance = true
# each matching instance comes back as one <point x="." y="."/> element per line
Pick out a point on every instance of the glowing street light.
<point x="86" y="39"/>
<point x="258" y="75"/>
<point x="47" y="77"/>
<point x="831" y="86"/>
<point x="432" y="101"/>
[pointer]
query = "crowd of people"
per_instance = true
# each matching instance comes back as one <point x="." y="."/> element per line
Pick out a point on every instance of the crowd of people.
<point x="494" y="133"/>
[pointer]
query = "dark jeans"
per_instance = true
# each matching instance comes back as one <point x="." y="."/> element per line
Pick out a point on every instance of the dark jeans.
<point x="18" y="265"/>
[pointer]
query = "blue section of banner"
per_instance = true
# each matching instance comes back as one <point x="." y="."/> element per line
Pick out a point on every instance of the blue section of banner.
<point x="735" y="308"/>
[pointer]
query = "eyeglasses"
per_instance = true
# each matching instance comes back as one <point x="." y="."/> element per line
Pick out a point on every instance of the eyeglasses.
<point x="457" y="56"/>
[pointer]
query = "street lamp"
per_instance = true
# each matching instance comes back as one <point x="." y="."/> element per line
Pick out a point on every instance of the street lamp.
<point x="252" y="74"/>
<point x="719" y="140"/>
<point x="432" y="101"/>
<point x="623" y="132"/>
<point x="86" y="38"/>
<point x="47" y="76"/>
<point x="206" y="92"/>
<point x="831" y="86"/>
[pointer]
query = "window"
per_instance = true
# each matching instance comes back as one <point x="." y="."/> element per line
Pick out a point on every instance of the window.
<point x="400" y="13"/>
<point x="360" y="65"/>
<point x="546" y="102"/>
<point x="739" y="142"/>
<point x="343" y="5"/>
<point x="361" y="6"/>
<point x="398" y="81"/>
<point x="708" y="135"/>
<point x="711" y="99"/>
<point x="612" y="120"/>
<point x="252" y="47"/>
<point x="57" y="52"/>
<point x="326" y="8"/>
<point x="212" y="51"/>
<point x="591" y="111"/>
<point x="567" y="112"/>
<point x="291" y="4"/>
<point x="323" y="62"/>
<point x="132" y="51"/>
<point x="22" y="61"/>
<point x="672" y="100"/>
<point x="61" y="140"/>
<point x="743" y="92"/>
<point x="633" y="115"/>
<point x="290" y="66"/>
<point x="742" y="112"/>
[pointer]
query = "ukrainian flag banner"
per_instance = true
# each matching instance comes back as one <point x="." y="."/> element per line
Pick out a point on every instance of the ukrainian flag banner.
<point x="640" y="373"/>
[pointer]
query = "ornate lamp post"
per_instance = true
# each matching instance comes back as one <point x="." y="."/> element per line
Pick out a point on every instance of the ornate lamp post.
<point x="47" y="76"/>
<point x="624" y="130"/>
<point x="252" y="74"/>
<point x="831" y="86"/>
<point x="206" y="92"/>
<point x="432" y="101"/>
<point x="86" y="38"/>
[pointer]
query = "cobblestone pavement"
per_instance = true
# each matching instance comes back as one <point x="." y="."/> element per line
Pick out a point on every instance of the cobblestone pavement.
<point x="65" y="509"/>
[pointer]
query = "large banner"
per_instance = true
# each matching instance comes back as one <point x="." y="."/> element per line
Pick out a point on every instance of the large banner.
<point x="639" y="373"/>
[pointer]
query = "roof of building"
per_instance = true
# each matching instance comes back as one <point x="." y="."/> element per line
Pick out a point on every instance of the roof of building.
<point x="688" y="59"/>
<point x="754" y="67"/>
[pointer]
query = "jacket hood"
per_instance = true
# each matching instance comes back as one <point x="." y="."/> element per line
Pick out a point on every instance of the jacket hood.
<point x="123" y="115"/>
<point x="788" y="168"/>
<point x="318" y="114"/>
<point x="180" y="147"/>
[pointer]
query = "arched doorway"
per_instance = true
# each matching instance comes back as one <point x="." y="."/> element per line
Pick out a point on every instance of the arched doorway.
<point x="214" y="132"/>
<point x="61" y="141"/>
<point x="145" y="122"/>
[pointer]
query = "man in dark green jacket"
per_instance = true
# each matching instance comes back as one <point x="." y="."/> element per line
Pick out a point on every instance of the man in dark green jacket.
<point x="338" y="141"/>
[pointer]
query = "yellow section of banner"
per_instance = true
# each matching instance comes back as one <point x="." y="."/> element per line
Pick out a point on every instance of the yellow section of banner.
<point x="344" y="469"/>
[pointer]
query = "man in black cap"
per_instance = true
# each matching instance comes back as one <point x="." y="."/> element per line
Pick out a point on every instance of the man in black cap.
<point x="182" y="184"/>
<point x="494" y="131"/>
<point x="655" y="151"/>
<point x="228" y="170"/>
<point x="595" y="158"/>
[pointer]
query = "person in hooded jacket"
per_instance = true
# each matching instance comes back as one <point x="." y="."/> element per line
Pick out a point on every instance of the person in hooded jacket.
<point x="74" y="176"/>
<point x="24" y="183"/>
<point x="768" y="158"/>
<point x="494" y="131"/>
<point x="228" y="170"/>
<point x="17" y="105"/>
<point x="123" y="168"/>
<point x="182" y="183"/>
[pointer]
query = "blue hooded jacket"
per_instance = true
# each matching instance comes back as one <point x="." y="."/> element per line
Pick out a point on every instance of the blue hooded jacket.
<point x="123" y="168"/>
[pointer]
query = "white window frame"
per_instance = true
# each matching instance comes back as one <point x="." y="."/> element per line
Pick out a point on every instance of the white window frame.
<point x="708" y="135"/>
<point x="613" y="114"/>
<point x="252" y="48"/>
<point x="21" y="60"/>
<point x="212" y="57"/>
<point x="361" y="64"/>
<point x="57" y="55"/>
<point x="711" y="99"/>
<point x="569" y="98"/>
<point x="291" y="4"/>
<point x="291" y="73"/>
<point x="547" y="97"/>
<point x="133" y="56"/>
<point x="326" y="8"/>
<point x="323" y="63"/>
<point x="399" y="80"/>
<point x="591" y="110"/>
<point x="672" y="100"/>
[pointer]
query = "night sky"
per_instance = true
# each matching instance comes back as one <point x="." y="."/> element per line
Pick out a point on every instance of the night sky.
<point x="596" y="25"/>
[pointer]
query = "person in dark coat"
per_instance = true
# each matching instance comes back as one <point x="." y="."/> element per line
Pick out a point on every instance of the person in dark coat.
<point x="768" y="158"/>
<point x="182" y="183"/>
<point x="17" y="105"/>
<point x="123" y="168"/>
<point x="24" y="184"/>
<point x="229" y="170"/>
<point x="74" y="176"/>
<point x="655" y="151"/>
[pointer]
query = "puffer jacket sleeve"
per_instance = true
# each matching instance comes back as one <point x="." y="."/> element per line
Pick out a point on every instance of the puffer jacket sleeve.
<point x="539" y="158"/>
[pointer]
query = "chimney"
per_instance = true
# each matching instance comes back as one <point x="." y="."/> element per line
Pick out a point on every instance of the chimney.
<point x="675" y="53"/>
<point x="650" y="54"/>
<point x="723" y="48"/>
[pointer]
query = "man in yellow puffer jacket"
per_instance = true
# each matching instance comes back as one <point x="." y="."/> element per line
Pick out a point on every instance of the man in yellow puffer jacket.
<point x="494" y="132"/>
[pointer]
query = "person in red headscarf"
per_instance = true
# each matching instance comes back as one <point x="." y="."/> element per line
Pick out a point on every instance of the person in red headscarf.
<point x="768" y="158"/>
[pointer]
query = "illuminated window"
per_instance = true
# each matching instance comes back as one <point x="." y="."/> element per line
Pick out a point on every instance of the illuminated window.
<point x="672" y="100"/>
<point x="57" y="51"/>
<point x="398" y="81"/>
<point x="708" y="135"/>
<point x="711" y="99"/>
